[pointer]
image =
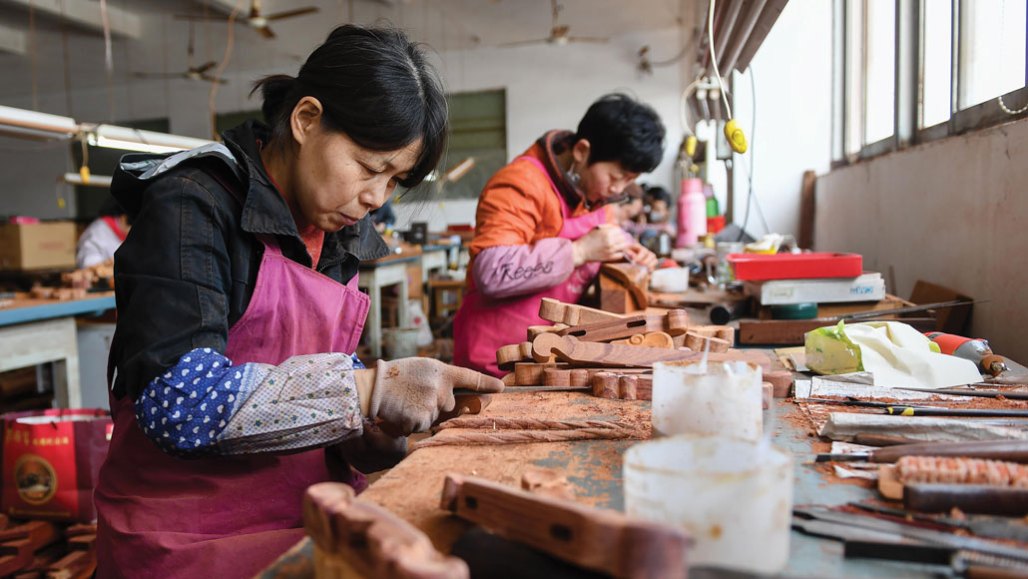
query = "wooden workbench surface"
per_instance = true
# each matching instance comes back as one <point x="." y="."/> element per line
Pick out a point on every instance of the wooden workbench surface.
<point x="412" y="490"/>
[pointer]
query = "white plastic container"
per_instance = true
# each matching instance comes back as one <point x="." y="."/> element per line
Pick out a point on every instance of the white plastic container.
<point x="723" y="398"/>
<point x="734" y="497"/>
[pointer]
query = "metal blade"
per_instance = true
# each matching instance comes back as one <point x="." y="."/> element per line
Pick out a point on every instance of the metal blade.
<point x="909" y="532"/>
<point x="526" y="390"/>
<point x="205" y="67"/>
<point x="848" y="457"/>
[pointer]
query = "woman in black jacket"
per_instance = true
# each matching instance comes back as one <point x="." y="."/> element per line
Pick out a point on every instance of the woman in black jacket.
<point x="234" y="385"/>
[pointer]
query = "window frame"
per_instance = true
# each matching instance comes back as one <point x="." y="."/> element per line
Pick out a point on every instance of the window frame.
<point x="908" y="86"/>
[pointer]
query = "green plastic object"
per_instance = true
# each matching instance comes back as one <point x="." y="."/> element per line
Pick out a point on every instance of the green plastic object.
<point x="830" y="351"/>
<point x="804" y="311"/>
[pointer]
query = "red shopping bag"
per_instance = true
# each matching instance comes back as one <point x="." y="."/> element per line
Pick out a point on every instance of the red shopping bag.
<point x="51" y="461"/>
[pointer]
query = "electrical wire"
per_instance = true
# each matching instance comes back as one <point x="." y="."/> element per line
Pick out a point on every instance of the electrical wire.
<point x="713" y="58"/>
<point x="229" y="42"/>
<point x="683" y="107"/>
<point x="751" y="197"/>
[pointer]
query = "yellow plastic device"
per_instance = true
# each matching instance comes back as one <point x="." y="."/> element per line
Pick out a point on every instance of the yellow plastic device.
<point x="736" y="138"/>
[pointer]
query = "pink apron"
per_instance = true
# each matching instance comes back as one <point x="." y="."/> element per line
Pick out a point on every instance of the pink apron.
<point x="161" y="516"/>
<point x="483" y="325"/>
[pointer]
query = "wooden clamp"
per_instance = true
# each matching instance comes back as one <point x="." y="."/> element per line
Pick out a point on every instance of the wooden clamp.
<point x="673" y="323"/>
<point x="600" y="540"/>
<point x="510" y="354"/>
<point x="559" y="312"/>
<point x="570" y="349"/>
<point x="650" y="340"/>
<point x="355" y="538"/>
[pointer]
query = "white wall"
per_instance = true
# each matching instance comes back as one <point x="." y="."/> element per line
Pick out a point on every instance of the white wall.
<point x="793" y="80"/>
<point x="953" y="212"/>
<point x="550" y="87"/>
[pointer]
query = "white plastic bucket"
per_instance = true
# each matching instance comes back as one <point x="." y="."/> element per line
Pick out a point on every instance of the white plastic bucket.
<point x="734" y="497"/>
<point x="725" y="398"/>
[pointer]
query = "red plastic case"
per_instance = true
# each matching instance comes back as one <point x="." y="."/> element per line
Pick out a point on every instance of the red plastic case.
<point x="757" y="267"/>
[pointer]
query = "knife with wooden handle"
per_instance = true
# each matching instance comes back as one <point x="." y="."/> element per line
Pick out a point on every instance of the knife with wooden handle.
<point x="1008" y="450"/>
<point x="978" y="499"/>
<point x="596" y="539"/>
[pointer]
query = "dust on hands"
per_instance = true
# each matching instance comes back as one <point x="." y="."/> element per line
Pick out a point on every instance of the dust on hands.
<point x="410" y="393"/>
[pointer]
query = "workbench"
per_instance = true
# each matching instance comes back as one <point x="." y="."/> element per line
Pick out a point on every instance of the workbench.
<point x="412" y="489"/>
<point x="375" y="275"/>
<point x="433" y="258"/>
<point x="34" y="332"/>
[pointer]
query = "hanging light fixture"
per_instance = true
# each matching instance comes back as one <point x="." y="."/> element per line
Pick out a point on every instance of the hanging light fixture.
<point x="22" y="123"/>
<point x="115" y="137"/>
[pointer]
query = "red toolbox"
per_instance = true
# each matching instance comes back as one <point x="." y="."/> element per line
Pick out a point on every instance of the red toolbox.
<point x="759" y="267"/>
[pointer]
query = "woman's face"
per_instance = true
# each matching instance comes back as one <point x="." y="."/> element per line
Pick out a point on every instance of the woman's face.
<point x="600" y="182"/>
<point x="335" y="181"/>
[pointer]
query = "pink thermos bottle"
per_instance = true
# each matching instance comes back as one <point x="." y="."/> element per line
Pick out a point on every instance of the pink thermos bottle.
<point x="692" y="213"/>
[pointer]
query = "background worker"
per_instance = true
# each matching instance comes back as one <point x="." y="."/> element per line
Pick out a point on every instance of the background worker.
<point x="545" y="223"/>
<point x="103" y="237"/>
<point x="235" y="388"/>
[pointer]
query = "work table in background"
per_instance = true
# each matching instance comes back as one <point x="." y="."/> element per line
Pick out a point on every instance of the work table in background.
<point x="37" y="331"/>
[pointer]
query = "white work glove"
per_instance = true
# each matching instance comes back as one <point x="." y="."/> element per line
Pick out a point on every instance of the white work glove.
<point x="409" y="394"/>
<point x="604" y="243"/>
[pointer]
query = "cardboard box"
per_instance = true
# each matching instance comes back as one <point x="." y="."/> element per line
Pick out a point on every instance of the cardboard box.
<point x="48" y="245"/>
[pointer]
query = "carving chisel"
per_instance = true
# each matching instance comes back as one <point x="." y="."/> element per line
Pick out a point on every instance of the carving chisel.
<point x="967" y="392"/>
<point x="1009" y="450"/>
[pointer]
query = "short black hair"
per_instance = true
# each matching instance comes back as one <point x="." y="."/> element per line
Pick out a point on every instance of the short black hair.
<point x="657" y="193"/>
<point x="376" y="86"/>
<point x="624" y="130"/>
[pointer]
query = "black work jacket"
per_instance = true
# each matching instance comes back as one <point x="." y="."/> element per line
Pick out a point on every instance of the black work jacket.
<point x="188" y="268"/>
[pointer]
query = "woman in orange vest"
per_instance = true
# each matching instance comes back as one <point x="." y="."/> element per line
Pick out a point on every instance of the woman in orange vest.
<point x="545" y="222"/>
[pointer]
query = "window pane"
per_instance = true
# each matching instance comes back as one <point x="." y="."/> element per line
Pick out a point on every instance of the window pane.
<point x="937" y="59"/>
<point x="854" y="76"/>
<point x="880" y="32"/>
<point x="992" y="49"/>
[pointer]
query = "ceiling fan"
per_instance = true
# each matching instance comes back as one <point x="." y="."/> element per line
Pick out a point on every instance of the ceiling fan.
<point x="256" y="18"/>
<point x="200" y="72"/>
<point x="560" y="34"/>
<point x="191" y="73"/>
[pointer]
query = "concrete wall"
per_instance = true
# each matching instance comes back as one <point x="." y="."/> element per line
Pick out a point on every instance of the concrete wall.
<point x="550" y="87"/>
<point x="953" y="212"/>
<point x="793" y="80"/>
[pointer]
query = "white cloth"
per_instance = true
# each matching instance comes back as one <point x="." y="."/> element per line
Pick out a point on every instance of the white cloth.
<point x="895" y="353"/>
<point x="97" y="245"/>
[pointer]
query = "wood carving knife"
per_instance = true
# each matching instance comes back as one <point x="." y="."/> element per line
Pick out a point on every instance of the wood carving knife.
<point x="908" y="531"/>
<point x="898" y="410"/>
<point x="1009" y="450"/>
<point x="980" y="499"/>
<point x="988" y="527"/>
<point x="975" y="393"/>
